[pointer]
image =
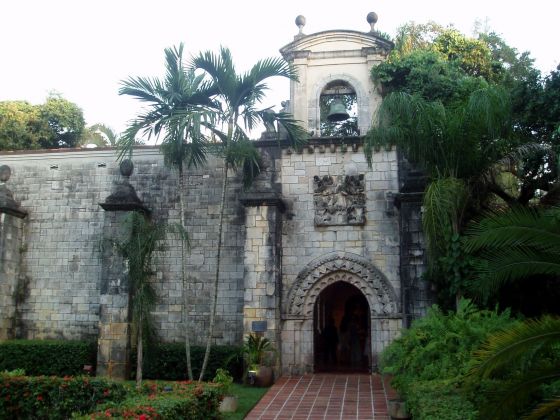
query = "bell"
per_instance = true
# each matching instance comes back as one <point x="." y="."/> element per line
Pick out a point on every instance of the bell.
<point x="337" y="112"/>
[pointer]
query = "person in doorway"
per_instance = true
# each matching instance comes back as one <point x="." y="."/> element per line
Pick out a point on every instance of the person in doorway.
<point x="330" y="335"/>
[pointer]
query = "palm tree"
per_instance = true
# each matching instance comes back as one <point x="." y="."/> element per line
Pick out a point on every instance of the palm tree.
<point x="109" y="135"/>
<point x="138" y="251"/>
<point x="236" y="97"/>
<point x="456" y="146"/>
<point x="176" y="106"/>
<point x="100" y="135"/>
<point x="525" y="352"/>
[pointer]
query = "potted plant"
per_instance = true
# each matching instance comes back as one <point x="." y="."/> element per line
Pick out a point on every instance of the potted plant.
<point x="258" y="353"/>
<point x="229" y="402"/>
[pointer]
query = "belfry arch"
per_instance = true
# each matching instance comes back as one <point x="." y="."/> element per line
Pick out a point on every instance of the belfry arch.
<point x="298" y="353"/>
<point x="362" y="99"/>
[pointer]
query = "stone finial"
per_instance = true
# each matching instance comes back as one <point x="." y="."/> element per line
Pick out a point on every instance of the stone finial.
<point x="372" y="20"/>
<point x="126" y="167"/>
<point x="300" y="23"/>
<point x="5" y="173"/>
<point x="7" y="203"/>
<point x="124" y="197"/>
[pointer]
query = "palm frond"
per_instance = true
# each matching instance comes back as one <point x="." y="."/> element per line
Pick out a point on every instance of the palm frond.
<point x="512" y="245"/>
<point x="445" y="141"/>
<point x="507" y="347"/>
<point x="444" y="203"/>
<point x="242" y="154"/>
<point x="524" y="151"/>
<point x="507" y="402"/>
<point x="496" y="268"/>
<point x="544" y="409"/>
<point x="518" y="227"/>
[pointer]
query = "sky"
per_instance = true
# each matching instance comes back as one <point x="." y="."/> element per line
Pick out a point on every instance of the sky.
<point x="83" y="49"/>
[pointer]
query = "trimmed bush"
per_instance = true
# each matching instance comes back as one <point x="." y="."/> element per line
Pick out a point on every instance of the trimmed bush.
<point x="23" y="397"/>
<point x="47" y="357"/>
<point x="167" y="361"/>
<point x="181" y="400"/>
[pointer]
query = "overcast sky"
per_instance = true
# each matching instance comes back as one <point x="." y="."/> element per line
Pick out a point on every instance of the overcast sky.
<point x="84" y="48"/>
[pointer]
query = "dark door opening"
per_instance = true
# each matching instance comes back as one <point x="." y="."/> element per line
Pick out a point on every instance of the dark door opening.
<point x="342" y="330"/>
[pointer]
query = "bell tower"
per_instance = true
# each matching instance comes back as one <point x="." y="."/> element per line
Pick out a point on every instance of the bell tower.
<point x="334" y="95"/>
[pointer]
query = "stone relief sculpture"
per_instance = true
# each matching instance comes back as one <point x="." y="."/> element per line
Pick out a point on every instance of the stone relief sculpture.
<point x="339" y="200"/>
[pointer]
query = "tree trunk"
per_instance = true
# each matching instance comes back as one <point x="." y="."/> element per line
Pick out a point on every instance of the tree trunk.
<point x="217" y="276"/>
<point x="183" y="276"/>
<point x="139" y="353"/>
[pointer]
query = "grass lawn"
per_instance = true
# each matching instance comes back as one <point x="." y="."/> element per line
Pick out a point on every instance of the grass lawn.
<point x="248" y="397"/>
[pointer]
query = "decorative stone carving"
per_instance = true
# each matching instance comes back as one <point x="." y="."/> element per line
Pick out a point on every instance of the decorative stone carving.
<point x="339" y="200"/>
<point x="341" y="266"/>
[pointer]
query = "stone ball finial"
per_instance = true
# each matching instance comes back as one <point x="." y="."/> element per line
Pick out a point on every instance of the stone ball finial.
<point x="126" y="167"/>
<point x="372" y="20"/>
<point x="5" y="173"/>
<point x="300" y="22"/>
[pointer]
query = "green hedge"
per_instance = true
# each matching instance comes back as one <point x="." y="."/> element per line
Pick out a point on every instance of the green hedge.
<point x="47" y="357"/>
<point x="180" y="400"/>
<point x="167" y="361"/>
<point x="36" y="397"/>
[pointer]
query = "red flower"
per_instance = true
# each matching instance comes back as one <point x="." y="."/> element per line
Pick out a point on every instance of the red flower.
<point x="39" y="398"/>
<point x="142" y="417"/>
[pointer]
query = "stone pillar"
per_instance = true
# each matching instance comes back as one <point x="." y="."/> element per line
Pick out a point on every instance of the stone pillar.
<point x="113" y="351"/>
<point x="416" y="292"/>
<point x="262" y="264"/>
<point x="11" y="247"/>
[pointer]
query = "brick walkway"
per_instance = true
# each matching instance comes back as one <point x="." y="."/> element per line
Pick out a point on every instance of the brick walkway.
<point x="325" y="396"/>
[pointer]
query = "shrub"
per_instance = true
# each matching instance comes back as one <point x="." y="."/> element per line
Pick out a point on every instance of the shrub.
<point x="167" y="361"/>
<point x="186" y="399"/>
<point x="47" y="357"/>
<point x="429" y="362"/>
<point x="24" y="397"/>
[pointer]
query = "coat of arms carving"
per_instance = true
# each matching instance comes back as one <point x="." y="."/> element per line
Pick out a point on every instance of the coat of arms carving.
<point x="339" y="200"/>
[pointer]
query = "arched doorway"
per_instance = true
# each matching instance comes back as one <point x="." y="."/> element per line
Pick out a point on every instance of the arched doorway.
<point x="342" y="330"/>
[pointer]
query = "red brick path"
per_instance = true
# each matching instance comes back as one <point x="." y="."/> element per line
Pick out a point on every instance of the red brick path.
<point x="325" y="396"/>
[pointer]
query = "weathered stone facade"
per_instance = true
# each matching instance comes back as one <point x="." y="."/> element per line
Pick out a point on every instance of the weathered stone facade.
<point x="315" y="217"/>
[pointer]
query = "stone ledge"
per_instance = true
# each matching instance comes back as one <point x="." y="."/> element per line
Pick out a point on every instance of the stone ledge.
<point x="254" y="199"/>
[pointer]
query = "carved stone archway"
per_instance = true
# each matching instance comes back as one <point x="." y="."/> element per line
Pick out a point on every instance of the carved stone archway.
<point x="374" y="285"/>
<point x="297" y="330"/>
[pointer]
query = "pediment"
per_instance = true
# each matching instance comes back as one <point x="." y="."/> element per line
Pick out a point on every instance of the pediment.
<point x="337" y="40"/>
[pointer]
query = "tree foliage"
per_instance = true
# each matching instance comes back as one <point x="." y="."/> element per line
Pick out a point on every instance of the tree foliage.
<point x="53" y="124"/>
<point x="479" y="119"/>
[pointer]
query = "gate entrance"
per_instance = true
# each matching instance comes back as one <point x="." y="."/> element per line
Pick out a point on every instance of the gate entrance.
<point x="342" y="330"/>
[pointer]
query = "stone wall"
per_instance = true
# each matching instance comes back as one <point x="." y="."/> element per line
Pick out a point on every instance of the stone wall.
<point x="62" y="190"/>
<point x="373" y="243"/>
<point x="302" y="241"/>
<point x="313" y="216"/>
